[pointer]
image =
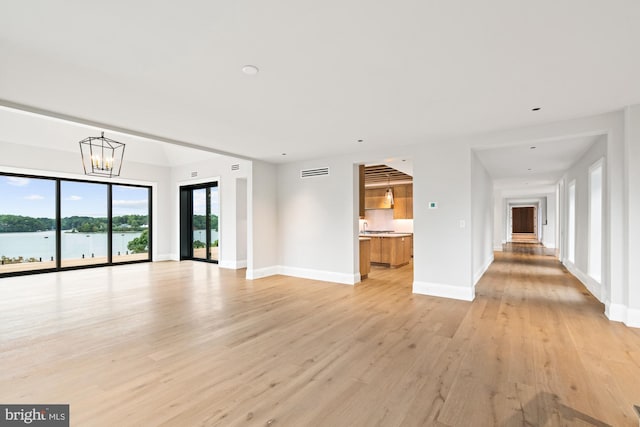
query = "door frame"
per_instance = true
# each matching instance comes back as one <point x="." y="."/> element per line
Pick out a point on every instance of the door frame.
<point x="185" y="220"/>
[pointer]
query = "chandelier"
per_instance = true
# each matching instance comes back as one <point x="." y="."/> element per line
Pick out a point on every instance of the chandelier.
<point x="101" y="156"/>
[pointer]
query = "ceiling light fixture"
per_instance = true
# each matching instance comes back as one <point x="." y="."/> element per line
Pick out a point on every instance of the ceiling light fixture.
<point x="360" y="140"/>
<point x="101" y="156"/>
<point x="389" y="193"/>
<point x="250" y="70"/>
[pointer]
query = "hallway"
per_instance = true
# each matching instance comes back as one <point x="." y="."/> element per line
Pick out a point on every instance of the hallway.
<point x="188" y="343"/>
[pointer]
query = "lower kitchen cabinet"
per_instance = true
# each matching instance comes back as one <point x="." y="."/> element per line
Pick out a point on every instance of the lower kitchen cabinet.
<point x="394" y="251"/>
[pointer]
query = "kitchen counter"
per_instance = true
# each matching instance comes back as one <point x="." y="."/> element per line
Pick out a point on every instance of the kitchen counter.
<point x="385" y="235"/>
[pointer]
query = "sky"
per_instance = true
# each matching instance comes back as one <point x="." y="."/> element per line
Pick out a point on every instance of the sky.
<point x="36" y="198"/>
<point x="200" y="202"/>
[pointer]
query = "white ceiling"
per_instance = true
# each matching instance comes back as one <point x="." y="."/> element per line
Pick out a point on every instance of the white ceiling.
<point x="331" y="72"/>
<point x="38" y="131"/>
<point x="521" y="169"/>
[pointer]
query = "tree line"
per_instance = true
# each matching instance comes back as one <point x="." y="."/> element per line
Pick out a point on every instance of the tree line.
<point x="87" y="224"/>
<point x="81" y="224"/>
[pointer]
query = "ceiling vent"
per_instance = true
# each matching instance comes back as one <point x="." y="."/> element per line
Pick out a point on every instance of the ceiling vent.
<point x="235" y="167"/>
<point x="310" y="173"/>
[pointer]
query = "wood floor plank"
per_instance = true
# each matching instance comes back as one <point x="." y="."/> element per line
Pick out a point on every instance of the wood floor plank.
<point x="184" y="343"/>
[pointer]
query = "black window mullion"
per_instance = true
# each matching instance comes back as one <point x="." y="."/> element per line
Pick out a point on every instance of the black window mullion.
<point x="207" y="222"/>
<point x="58" y="226"/>
<point x="109" y="224"/>
<point x="149" y="222"/>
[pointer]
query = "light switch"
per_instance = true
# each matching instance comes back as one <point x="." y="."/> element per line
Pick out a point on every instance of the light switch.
<point x="463" y="223"/>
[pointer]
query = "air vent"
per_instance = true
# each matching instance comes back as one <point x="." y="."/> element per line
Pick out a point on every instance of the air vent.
<point x="310" y="173"/>
<point x="235" y="167"/>
<point x="194" y="174"/>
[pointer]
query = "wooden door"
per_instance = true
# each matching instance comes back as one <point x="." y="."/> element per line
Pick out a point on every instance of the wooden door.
<point x="523" y="220"/>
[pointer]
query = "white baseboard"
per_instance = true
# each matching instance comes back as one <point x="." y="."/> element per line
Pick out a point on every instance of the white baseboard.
<point x="233" y="264"/>
<point x="325" y="276"/>
<point x="633" y="318"/>
<point x="258" y="273"/>
<point x="444" y="291"/>
<point x="622" y="313"/>
<point x="165" y="257"/>
<point x="592" y="286"/>
<point x="478" y="275"/>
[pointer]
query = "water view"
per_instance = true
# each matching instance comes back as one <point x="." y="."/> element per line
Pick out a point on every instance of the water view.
<point x="42" y="245"/>
<point x="91" y="213"/>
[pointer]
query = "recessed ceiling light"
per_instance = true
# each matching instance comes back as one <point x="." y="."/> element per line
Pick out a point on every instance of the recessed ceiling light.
<point x="361" y="140"/>
<point x="284" y="154"/>
<point x="529" y="169"/>
<point x="533" y="147"/>
<point x="250" y="70"/>
<point x="535" y="109"/>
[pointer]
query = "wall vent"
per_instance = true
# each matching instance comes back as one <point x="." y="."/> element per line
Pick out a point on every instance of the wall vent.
<point x="194" y="174"/>
<point x="235" y="167"/>
<point x="310" y="173"/>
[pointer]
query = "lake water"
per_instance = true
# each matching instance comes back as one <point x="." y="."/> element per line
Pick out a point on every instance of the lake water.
<point x="42" y="244"/>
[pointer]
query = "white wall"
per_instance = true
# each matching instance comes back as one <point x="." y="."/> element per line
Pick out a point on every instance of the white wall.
<point x="262" y="215"/>
<point x="482" y="210"/>
<point x="499" y="220"/>
<point x="215" y="169"/>
<point x="241" y="222"/>
<point x="18" y="158"/>
<point x="632" y="148"/>
<point x="316" y="221"/>
<point x="580" y="173"/>
<point x="442" y="236"/>
<point x="549" y="230"/>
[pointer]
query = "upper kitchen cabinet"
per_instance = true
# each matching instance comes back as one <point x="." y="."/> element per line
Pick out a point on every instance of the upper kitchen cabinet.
<point x="377" y="178"/>
<point x="376" y="198"/>
<point x="403" y="201"/>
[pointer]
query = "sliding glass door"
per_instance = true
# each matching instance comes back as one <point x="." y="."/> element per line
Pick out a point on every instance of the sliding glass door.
<point x="49" y="224"/>
<point x="199" y="213"/>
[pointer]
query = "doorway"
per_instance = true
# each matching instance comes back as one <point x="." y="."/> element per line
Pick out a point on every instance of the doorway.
<point x="199" y="219"/>
<point x="524" y="224"/>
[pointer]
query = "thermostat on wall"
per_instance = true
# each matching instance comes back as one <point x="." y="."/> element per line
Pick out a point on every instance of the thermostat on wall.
<point x="433" y="205"/>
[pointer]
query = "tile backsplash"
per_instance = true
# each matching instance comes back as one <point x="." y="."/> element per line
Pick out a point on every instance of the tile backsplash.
<point x="382" y="219"/>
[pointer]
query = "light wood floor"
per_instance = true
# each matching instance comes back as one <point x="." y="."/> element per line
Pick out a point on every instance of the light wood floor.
<point x="187" y="343"/>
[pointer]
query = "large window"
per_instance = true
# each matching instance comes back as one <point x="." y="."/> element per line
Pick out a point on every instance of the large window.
<point x="130" y="229"/>
<point x="571" y="223"/>
<point x="51" y="224"/>
<point x="27" y="224"/>
<point x="595" y="221"/>
<point x="84" y="223"/>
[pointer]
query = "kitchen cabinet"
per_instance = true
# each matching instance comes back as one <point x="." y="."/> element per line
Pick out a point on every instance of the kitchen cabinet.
<point x="375" y="198"/>
<point x="393" y="250"/>
<point x="403" y="201"/>
<point x="365" y="257"/>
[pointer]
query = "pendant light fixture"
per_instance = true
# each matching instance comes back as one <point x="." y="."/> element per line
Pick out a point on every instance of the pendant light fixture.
<point x="389" y="194"/>
<point x="101" y="156"/>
